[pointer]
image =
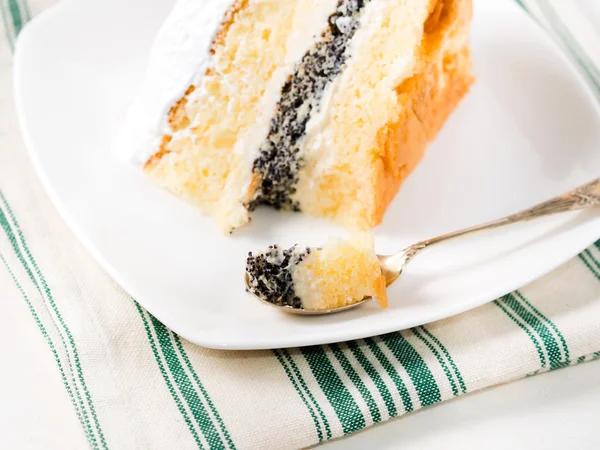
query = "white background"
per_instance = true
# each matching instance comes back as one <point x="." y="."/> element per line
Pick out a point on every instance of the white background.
<point x="557" y="410"/>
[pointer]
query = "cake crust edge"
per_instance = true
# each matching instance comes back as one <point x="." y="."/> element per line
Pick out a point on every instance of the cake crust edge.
<point x="430" y="96"/>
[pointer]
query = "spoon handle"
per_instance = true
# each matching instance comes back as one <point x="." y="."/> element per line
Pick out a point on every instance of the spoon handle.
<point x="585" y="196"/>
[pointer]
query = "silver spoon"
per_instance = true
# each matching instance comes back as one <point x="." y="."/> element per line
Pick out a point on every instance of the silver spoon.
<point x="583" y="197"/>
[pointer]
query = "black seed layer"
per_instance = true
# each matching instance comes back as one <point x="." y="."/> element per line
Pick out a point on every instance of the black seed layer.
<point x="270" y="275"/>
<point x="279" y="161"/>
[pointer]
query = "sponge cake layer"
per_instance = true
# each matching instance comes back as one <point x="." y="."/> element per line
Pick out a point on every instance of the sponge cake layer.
<point x="219" y="124"/>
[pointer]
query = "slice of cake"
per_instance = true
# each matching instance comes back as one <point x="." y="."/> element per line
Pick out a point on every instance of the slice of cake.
<point x="336" y="275"/>
<point x="321" y="106"/>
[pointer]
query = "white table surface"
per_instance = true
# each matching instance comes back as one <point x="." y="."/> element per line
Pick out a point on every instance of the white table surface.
<point x="552" y="411"/>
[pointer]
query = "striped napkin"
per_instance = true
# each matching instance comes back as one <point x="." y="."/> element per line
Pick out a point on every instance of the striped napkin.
<point x="134" y="383"/>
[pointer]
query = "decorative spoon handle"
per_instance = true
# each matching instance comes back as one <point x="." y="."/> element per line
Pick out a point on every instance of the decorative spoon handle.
<point x="585" y="196"/>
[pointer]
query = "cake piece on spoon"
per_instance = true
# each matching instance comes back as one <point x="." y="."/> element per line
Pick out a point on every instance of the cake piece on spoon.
<point x="317" y="279"/>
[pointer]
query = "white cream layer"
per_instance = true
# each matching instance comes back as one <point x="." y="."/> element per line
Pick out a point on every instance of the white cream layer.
<point x="178" y="59"/>
<point x="307" y="32"/>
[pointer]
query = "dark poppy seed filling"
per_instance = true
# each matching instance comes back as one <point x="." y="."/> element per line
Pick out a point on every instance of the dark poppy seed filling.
<point x="270" y="274"/>
<point x="279" y="161"/>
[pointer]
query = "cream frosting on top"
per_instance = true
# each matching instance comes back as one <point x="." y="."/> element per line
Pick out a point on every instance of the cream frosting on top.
<point x="179" y="57"/>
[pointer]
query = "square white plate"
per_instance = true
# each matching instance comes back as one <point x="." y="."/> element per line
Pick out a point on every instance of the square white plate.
<point x="529" y="130"/>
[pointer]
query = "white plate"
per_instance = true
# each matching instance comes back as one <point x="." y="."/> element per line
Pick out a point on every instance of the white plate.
<point x="530" y="129"/>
